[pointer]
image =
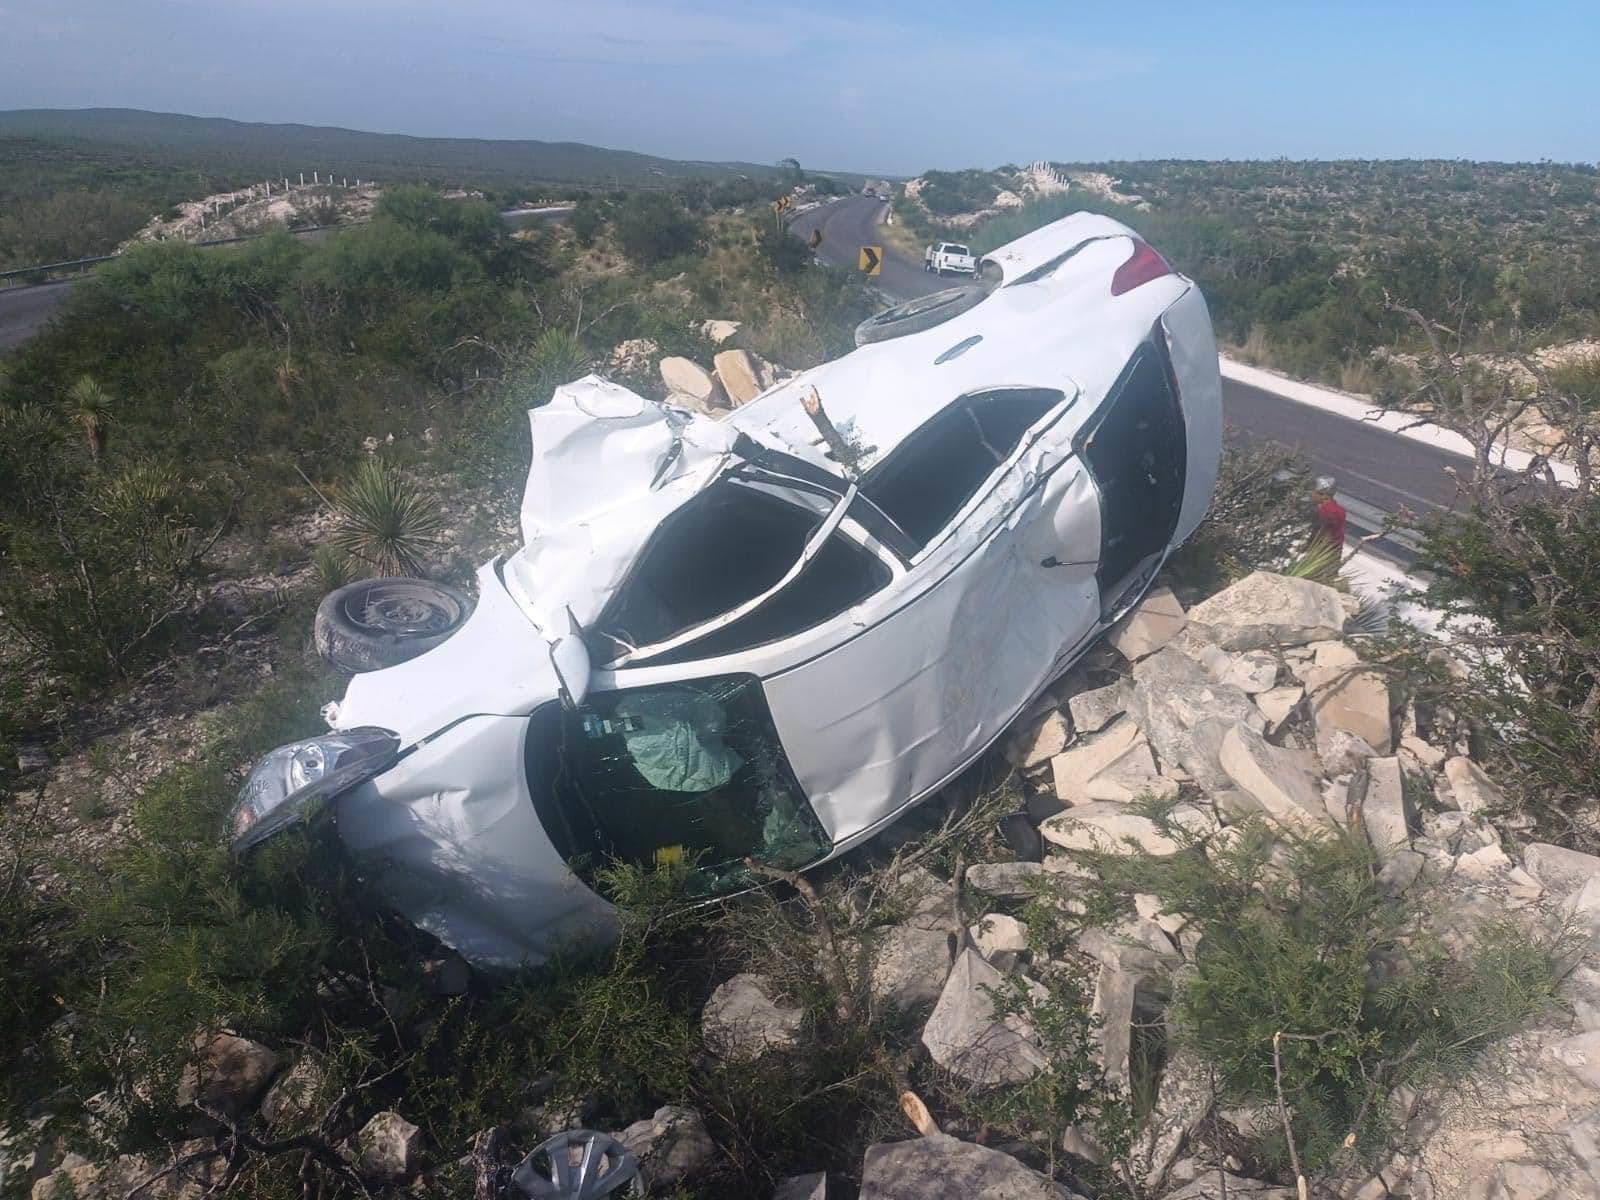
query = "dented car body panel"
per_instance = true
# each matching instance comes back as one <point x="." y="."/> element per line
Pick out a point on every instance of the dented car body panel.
<point x="768" y="635"/>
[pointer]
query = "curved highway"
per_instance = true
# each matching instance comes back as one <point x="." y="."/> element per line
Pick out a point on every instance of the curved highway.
<point x="1378" y="472"/>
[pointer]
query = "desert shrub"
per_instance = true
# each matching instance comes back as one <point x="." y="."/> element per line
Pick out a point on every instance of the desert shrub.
<point x="1301" y="947"/>
<point x="784" y="253"/>
<point x="383" y="519"/>
<point x="652" y="227"/>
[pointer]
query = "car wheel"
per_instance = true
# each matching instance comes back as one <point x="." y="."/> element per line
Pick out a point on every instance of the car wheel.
<point x="377" y="623"/>
<point x="916" y="315"/>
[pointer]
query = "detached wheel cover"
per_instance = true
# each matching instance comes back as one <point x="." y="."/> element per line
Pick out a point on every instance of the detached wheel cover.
<point x="377" y="623"/>
<point x="916" y="315"/>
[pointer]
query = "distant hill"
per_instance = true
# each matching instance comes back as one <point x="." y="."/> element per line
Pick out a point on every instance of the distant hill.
<point x="253" y="148"/>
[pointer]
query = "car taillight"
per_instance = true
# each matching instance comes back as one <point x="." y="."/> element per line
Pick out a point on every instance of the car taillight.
<point x="1142" y="266"/>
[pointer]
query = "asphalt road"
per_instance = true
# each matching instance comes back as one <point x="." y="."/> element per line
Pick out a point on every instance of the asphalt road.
<point x="1378" y="472"/>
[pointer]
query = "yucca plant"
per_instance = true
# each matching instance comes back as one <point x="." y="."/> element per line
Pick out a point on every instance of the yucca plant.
<point x="383" y="521"/>
<point x="558" y="357"/>
<point x="1319" y="562"/>
<point x="89" y="407"/>
<point x="333" y="568"/>
<point x="1371" y="619"/>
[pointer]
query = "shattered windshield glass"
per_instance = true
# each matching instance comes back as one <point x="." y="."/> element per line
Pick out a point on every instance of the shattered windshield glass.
<point x="690" y="770"/>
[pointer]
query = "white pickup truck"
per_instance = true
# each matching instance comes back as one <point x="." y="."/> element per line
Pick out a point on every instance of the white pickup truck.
<point x="949" y="256"/>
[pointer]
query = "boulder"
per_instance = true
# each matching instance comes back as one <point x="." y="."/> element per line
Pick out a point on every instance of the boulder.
<point x="996" y="933"/>
<point x="803" y="1187"/>
<point x="1282" y="781"/>
<point x="295" y="1097"/>
<point x="693" y="404"/>
<point x="1427" y="754"/>
<point x="1264" y="610"/>
<point x="1094" y="709"/>
<point x="909" y="966"/>
<point x="78" y="1179"/>
<point x="1342" y="753"/>
<point x="1037" y="743"/>
<point x="1135" y="945"/>
<point x="1352" y="701"/>
<point x="671" y="1146"/>
<point x="1185" y="713"/>
<point x="1183" y="1099"/>
<point x="739" y="376"/>
<point x="1089" y="757"/>
<point x="1114" y="994"/>
<point x="1132" y="775"/>
<point x="1560" y="870"/>
<point x="1150" y="626"/>
<point x="720" y="333"/>
<point x="1383" y="811"/>
<point x="742" y="1021"/>
<point x="1475" y="793"/>
<point x="1007" y="881"/>
<point x="228" y="1074"/>
<point x="1251" y="671"/>
<point x="1107" y="828"/>
<point x="688" y="378"/>
<point x="927" y="899"/>
<point x="387" y="1147"/>
<point x="1213" y="1184"/>
<point x="1277" y="705"/>
<point x="966" y="1036"/>
<point x="942" y="1168"/>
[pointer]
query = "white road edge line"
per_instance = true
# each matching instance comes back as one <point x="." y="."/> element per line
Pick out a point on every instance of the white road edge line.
<point x="1360" y="408"/>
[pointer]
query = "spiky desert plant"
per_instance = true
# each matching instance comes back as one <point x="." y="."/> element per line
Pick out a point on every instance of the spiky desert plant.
<point x="332" y="567"/>
<point x="558" y="357"/>
<point x="383" y="520"/>
<point x="89" y="407"/>
<point x="1319" y="562"/>
<point x="1371" y="619"/>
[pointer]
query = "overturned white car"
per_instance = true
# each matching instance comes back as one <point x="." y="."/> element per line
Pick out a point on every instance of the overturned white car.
<point x="770" y="634"/>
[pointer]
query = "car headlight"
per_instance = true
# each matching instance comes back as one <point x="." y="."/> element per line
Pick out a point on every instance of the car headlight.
<point x="290" y="784"/>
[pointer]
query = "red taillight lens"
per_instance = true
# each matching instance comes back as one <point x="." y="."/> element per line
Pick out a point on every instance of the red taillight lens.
<point x="1142" y="266"/>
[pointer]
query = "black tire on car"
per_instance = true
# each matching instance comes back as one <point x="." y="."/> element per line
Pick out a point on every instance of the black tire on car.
<point x="916" y="315"/>
<point x="376" y="623"/>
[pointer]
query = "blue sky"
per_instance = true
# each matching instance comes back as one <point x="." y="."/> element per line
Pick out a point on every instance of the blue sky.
<point x="883" y="86"/>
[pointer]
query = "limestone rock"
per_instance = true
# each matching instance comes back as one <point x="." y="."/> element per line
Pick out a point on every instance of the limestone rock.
<point x="1345" y="698"/>
<point x="1341" y="752"/>
<point x="1400" y="871"/>
<point x="1282" y="781"/>
<point x="671" y="1146"/>
<point x="1213" y="1184"/>
<point x="739" y="376"/>
<point x="966" y="1036"/>
<point x="1264" y="610"/>
<point x="943" y="1168"/>
<point x="1106" y="827"/>
<point x="909" y="966"/>
<point x="1185" y="713"/>
<point x="1130" y="776"/>
<point x="1094" y="709"/>
<point x="1183" y="1100"/>
<point x="1474" y="792"/>
<point x="78" y="1179"/>
<point x="687" y="377"/>
<point x="927" y="899"/>
<point x="996" y="933"/>
<point x="1561" y="870"/>
<point x="803" y="1187"/>
<point x="294" y="1098"/>
<point x="1278" y="704"/>
<point x="1039" y="742"/>
<point x="1425" y="753"/>
<point x="742" y="1021"/>
<point x="1383" y="811"/>
<point x="1008" y="881"/>
<point x="1115" y="992"/>
<point x="1090" y="757"/>
<point x="1250" y="671"/>
<point x="228" y="1074"/>
<point x="720" y="333"/>
<point x="1150" y="626"/>
<point x="388" y="1147"/>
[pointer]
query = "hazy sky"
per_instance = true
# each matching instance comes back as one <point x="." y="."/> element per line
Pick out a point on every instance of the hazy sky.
<point x="890" y="85"/>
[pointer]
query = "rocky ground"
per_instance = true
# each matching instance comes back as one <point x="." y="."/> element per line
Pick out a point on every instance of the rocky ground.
<point x="1251" y="705"/>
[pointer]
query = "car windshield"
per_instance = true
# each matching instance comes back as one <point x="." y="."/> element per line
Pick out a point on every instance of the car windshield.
<point x="957" y="249"/>
<point x="687" y="771"/>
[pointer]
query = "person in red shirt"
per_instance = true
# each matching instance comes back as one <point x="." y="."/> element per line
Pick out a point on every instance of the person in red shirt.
<point x="1330" y="513"/>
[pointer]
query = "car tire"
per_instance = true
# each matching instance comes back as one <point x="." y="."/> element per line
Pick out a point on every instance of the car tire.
<point x="377" y="623"/>
<point x="916" y="315"/>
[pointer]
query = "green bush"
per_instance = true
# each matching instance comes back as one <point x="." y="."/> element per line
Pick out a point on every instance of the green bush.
<point x="653" y="227"/>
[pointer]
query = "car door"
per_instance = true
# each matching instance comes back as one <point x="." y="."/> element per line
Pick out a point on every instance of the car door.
<point x="1001" y="592"/>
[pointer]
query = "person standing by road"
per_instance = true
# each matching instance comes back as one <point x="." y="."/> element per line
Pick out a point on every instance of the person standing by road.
<point x="1330" y="513"/>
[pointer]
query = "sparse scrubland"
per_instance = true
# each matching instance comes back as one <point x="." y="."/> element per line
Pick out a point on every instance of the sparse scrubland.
<point x="1309" y="884"/>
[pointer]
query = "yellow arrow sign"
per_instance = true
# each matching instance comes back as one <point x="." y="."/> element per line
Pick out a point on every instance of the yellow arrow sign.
<point x="782" y="203"/>
<point x="871" y="260"/>
<point x="815" y="239"/>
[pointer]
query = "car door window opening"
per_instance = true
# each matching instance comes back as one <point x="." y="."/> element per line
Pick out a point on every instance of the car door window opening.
<point x="932" y="474"/>
<point x="1136" y="446"/>
<point x="689" y="771"/>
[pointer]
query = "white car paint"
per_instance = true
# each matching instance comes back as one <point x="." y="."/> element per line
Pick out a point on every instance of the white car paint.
<point x="875" y="707"/>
